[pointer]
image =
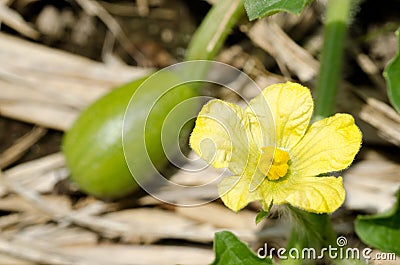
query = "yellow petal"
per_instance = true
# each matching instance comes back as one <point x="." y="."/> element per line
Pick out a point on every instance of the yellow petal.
<point x="291" y="105"/>
<point x="329" y="145"/>
<point x="260" y="114"/>
<point x="235" y="193"/>
<point x="312" y="194"/>
<point x="317" y="194"/>
<point x="222" y="138"/>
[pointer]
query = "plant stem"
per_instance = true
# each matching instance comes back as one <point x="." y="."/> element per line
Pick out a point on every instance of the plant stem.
<point x="309" y="230"/>
<point x="210" y="36"/>
<point x="214" y="29"/>
<point x="338" y="16"/>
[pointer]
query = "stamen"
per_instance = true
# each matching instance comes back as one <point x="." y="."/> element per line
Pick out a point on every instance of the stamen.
<point x="273" y="162"/>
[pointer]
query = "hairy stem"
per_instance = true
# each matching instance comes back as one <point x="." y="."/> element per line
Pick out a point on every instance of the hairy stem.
<point x="309" y="230"/>
<point x="338" y="15"/>
<point x="214" y="29"/>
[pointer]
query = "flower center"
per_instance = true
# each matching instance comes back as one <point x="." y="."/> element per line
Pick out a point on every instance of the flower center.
<point x="273" y="162"/>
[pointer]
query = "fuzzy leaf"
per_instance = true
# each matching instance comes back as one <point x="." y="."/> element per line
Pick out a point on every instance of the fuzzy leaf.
<point x="229" y="250"/>
<point x="262" y="8"/>
<point x="392" y="76"/>
<point x="381" y="231"/>
<point x="263" y="214"/>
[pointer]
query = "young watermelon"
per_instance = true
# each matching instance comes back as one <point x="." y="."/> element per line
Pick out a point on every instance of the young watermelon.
<point x="93" y="146"/>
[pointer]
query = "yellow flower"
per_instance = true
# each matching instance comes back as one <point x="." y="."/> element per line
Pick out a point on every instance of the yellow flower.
<point x="273" y="153"/>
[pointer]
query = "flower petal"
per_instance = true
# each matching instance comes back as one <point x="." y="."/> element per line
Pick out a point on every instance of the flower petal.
<point x="317" y="194"/>
<point x="259" y="113"/>
<point x="262" y="129"/>
<point x="222" y="138"/>
<point x="291" y="105"/>
<point x="235" y="193"/>
<point x="328" y="145"/>
<point x="312" y="194"/>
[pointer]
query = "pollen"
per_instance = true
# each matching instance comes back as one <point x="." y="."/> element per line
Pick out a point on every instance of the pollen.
<point x="273" y="162"/>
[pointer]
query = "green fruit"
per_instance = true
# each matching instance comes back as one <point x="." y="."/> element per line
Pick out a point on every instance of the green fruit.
<point x="93" y="146"/>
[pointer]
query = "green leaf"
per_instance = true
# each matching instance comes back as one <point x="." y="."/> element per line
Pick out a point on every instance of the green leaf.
<point x="392" y="76"/>
<point x="229" y="250"/>
<point x="262" y="8"/>
<point x="263" y="214"/>
<point x="381" y="231"/>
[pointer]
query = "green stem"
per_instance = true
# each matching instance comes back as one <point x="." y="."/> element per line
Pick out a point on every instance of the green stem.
<point x="210" y="36"/>
<point x="214" y="29"/>
<point x="338" y="17"/>
<point x="309" y="230"/>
